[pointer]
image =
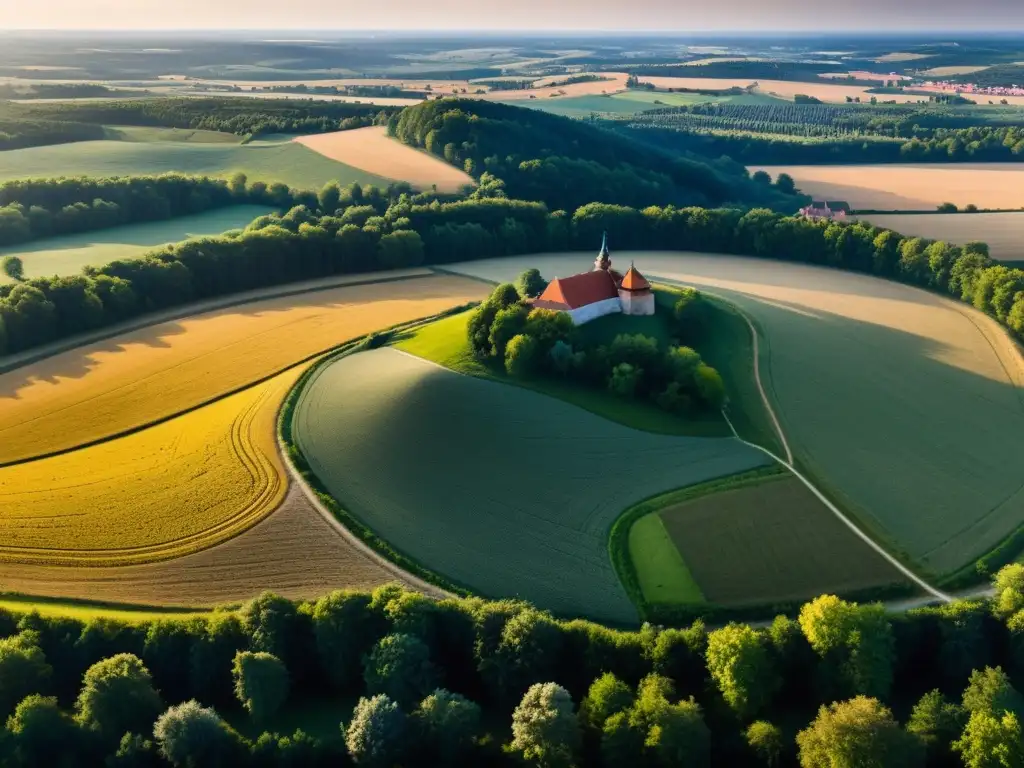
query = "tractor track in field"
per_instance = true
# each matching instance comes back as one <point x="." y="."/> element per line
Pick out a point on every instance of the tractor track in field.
<point x="788" y="463"/>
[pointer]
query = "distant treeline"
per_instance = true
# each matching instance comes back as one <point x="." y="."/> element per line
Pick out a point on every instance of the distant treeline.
<point x="241" y="116"/>
<point x="36" y="208"/>
<point x="567" y="163"/>
<point x="59" y="91"/>
<point x="753" y="70"/>
<point x="18" y="134"/>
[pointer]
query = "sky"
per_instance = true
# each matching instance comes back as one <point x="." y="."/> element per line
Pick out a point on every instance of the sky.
<point x="603" y="15"/>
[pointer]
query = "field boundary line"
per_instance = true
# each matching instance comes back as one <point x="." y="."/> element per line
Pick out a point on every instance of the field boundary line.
<point x="22" y="359"/>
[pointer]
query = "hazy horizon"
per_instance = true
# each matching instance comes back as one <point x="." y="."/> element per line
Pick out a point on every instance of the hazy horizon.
<point x="527" y="16"/>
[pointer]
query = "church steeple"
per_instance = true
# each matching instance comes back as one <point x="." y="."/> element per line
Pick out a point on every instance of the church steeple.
<point x="604" y="258"/>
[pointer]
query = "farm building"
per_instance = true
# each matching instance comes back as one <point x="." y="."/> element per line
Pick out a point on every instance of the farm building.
<point x="825" y="209"/>
<point x="602" y="291"/>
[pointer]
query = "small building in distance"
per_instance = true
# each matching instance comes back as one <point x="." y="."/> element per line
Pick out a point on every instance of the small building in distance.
<point x="602" y="291"/>
<point x="825" y="209"/>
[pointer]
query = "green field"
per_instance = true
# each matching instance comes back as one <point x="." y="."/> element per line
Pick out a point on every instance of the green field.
<point x="287" y="162"/>
<point x="631" y="102"/>
<point x="83" y="611"/>
<point x="503" y="490"/>
<point x="663" y="576"/>
<point x="770" y="541"/>
<point x="68" y="255"/>
<point x="139" y="133"/>
<point x="444" y="342"/>
<point x="905" y="408"/>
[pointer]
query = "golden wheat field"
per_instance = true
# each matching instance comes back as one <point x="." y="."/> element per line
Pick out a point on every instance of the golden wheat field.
<point x="293" y="552"/>
<point x="105" y="389"/>
<point x="615" y="84"/>
<point x="918" y="187"/>
<point x="372" y="150"/>
<point x="782" y="89"/>
<point x="1004" y="232"/>
<point x="162" y="492"/>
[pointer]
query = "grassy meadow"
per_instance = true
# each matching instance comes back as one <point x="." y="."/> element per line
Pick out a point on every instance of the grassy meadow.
<point x="444" y="342"/>
<point x="69" y="254"/>
<point x="98" y="390"/>
<point x="285" y="161"/>
<point x="437" y="464"/>
<point x="1004" y="232"/>
<point x="87" y="611"/>
<point x="907" y="409"/>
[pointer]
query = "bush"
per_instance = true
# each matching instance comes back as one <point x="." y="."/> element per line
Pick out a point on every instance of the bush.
<point x="41" y="734"/>
<point x="624" y="380"/>
<point x="765" y="740"/>
<point x="192" y="735"/>
<point x="261" y="684"/>
<point x="857" y="732"/>
<point x="23" y="670"/>
<point x="522" y="355"/>
<point x="13" y="268"/>
<point x="530" y="284"/>
<point x="118" y="697"/>
<point x="376" y="735"/>
<point x="399" y="666"/>
<point x="448" y="724"/>
<point x="545" y="730"/>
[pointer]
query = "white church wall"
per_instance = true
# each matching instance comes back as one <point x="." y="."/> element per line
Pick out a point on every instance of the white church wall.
<point x="597" y="309"/>
<point x="632" y="304"/>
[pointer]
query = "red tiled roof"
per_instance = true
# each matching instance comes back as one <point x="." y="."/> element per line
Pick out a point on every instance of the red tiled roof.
<point x="579" y="290"/>
<point x="634" y="281"/>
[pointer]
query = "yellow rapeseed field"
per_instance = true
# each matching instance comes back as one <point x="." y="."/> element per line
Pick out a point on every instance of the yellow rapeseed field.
<point x="162" y="492"/>
<point x="105" y="389"/>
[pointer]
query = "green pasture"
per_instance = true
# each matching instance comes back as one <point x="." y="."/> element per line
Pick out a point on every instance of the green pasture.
<point x="286" y="162"/>
<point x="69" y="254"/>
<point x="891" y="398"/>
<point x="768" y="541"/>
<point x="631" y="101"/>
<point x="500" y="489"/>
<point x="663" y="576"/>
<point x="85" y="611"/>
<point x="444" y="342"/>
<point x="139" y="133"/>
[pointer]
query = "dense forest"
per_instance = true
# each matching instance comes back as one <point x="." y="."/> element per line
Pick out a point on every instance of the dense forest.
<point x="245" y="117"/>
<point x="566" y="163"/>
<point x="826" y="133"/>
<point x="18" y="133"/>
<point x="754" y="70"/>
<point x="424" y="682"/>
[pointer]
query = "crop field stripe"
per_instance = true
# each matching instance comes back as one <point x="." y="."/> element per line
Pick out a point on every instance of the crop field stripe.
<point x="347" y="306"/>
<point x="788" y="463"/>
<point x="850" y="524"/>
<point x="662" y="571"/>
<point x="13" y="362"/>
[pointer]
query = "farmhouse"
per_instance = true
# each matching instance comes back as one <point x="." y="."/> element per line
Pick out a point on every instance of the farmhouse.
<point x="825" y="210"/>
<point x="602" y="291"/>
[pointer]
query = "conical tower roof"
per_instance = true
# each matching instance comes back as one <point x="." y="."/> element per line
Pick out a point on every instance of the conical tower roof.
<point x="634" y="281"/>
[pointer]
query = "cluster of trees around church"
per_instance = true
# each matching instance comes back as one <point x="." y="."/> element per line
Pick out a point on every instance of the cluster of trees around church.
<point x="437" y="683"/>
<point x="355" y="230"/>
<point x="567" y="163"/>
<point x="529" y="342"/>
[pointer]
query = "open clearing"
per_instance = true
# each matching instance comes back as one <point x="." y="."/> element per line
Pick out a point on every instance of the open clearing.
<point x="1004" y="232"/>
<point x="905" y="406"/>
<point x="284" y="161"/>
<point x="663" y="576"/>
<point x="103" y="389"/>
<point x="953" y="71"/>
<point x="372" y="150"/>
<point x="293" y="552"/>
<point x="163" y="492"/>
<point x="68" y="255"/>
<point x="916" y="187"/>
<point x="434" y="462"/>
<point x="616" y="82"/>
<point x="772" y="541"/>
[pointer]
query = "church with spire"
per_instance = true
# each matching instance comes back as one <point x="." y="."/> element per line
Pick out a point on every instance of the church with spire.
<point x="602" y="291"/>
